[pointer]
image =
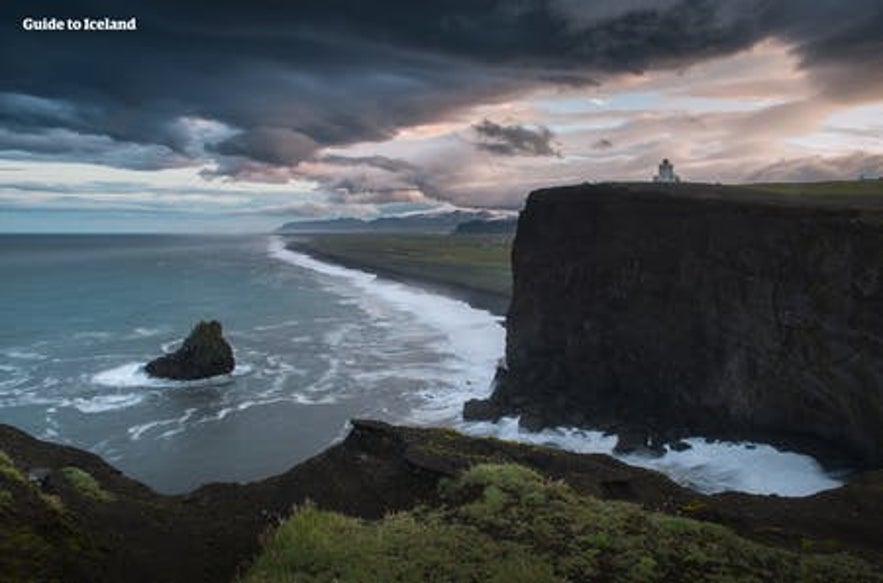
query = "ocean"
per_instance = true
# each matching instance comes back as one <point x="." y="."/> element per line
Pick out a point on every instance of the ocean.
<point x="316" y="345"/>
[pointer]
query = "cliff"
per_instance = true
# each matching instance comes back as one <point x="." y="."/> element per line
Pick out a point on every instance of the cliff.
<point x="67" y="515"/>
<point x="720" y="311"/>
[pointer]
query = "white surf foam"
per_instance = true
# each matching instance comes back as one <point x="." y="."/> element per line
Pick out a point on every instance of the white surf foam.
<point x="137" y="431"/>
<point x="132" y="375"/>
<point x="146" y="332"/>
<point x="472" y="339"/>
<point x="104" y="403"/>
<point x="25" y="355"/>
<point x="707" y="467"/>
<point x="171" y="346"/>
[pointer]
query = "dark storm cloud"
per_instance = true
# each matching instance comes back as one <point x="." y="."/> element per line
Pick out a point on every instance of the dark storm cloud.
<point x="287" y="79"/>
<point x="515" y="140"/>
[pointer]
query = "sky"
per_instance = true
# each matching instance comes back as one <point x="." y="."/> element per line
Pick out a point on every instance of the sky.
<point x="228" y="116"/>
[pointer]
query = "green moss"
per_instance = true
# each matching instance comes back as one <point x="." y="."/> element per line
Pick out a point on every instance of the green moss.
<point x="86" y="484"/>
<point x="505" y="522"/>
<point x="53" y="502"/>
<point x="5" y="499"/>
<point x="9" y="471"/>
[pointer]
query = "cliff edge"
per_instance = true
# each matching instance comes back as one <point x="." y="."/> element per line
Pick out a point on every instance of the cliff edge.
<point x="67" y="515"/>
<point x="674" y="310"/>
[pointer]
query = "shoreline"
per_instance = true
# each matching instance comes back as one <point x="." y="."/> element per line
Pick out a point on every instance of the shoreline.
<point x="495" y="303"/>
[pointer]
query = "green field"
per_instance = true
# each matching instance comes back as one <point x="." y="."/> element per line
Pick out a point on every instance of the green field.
<point x="477" y="263"/>
<point x="843" y="188"/>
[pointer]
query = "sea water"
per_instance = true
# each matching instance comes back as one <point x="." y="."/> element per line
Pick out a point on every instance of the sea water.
<point x="316" y="345"/>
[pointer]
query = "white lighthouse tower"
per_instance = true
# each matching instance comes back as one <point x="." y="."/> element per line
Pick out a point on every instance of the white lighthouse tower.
<point x="666" y="173"/>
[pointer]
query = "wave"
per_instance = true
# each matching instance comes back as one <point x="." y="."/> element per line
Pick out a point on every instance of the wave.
<point x="709" y="467"/>
<point x="132" y="375"/>
<point x="470" y="340"/>
<point x="105" y="403"/>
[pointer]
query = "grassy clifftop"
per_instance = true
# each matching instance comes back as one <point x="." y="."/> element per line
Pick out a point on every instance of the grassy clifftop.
<point x="505" y="522"/>
<point x="472" y="267"/>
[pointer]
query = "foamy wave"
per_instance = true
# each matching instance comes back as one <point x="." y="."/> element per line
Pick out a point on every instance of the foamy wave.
<point x="132" y="375"/>
<point x="171" y="346"/>
<point x="472" y="339"/>
<point x="713" y="467"/>
<point x="25" y="355"/>
<point x="15" y="377"/>
<point x="146" y="332"/>
<point x="104" y="403"/>
<point x="93" y="335"/>
<point x="135" y="432"/>
<point x="707" y="467"/>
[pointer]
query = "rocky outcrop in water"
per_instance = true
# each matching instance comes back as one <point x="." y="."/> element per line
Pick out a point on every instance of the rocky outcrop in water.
<point x="205" y="353"/>
<point x="700" y="310"/>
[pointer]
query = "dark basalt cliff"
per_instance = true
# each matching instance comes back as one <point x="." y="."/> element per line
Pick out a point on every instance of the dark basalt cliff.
<point x="699" y="309"/>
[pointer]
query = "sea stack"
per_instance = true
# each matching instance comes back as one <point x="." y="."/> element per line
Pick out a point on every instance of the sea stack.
<point x="665" y="311"/>
<point x="205" y="353"/>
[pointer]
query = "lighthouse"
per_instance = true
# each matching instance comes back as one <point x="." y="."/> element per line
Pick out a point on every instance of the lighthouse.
<point x="666" y="173"/>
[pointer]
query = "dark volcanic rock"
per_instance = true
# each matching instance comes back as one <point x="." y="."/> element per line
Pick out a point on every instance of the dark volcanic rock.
<point x="56" y="531"/>
<point x="481" y="410"/>
<point x="700" y="309"/>
<point x="204" y="354"/>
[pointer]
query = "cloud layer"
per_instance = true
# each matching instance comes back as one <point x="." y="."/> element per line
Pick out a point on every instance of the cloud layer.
<point x="274" y="91"/>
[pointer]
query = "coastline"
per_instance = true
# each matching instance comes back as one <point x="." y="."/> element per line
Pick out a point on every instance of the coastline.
<point x="481" y="299"/>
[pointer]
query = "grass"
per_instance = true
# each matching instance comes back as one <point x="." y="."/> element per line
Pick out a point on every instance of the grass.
<point x="9" y="471"/>
<point x="5" y="499"/>
<point x="833" y="188"/>
<point x="86" y="484"/>
<point x="507" y="523"/>
<point x="478" y="262"/>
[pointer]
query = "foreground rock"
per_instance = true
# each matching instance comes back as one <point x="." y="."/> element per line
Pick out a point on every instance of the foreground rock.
<point x="79" y="519"/>
<point x="205" y="353"/>
<point x="699" y="310"/>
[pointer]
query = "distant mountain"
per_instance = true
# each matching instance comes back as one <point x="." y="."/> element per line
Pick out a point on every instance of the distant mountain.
<point x="428" y="222"/>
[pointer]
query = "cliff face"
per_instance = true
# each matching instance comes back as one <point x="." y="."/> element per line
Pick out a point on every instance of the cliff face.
<point x="699" y="309"/>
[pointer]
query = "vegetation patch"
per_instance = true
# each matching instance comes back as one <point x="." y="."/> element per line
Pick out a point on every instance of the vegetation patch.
<point x="86" y="484"/>
<point x="505" y="522"/>
<point x="9" y="471"/>
<point x="478" y="262"/>
<point x="5" y="499"/>
<point x="53" y="502"/>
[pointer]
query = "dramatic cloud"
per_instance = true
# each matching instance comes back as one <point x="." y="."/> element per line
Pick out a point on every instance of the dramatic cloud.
<point x="273" y="92"/>
<point x="515" y="140"/>
<point x="818" y="168"/>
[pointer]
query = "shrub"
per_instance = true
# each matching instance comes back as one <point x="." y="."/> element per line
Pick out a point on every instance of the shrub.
<point x="86" y="484"/>
<point x="506" y="522"/>
<point x="9" y="471"/>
